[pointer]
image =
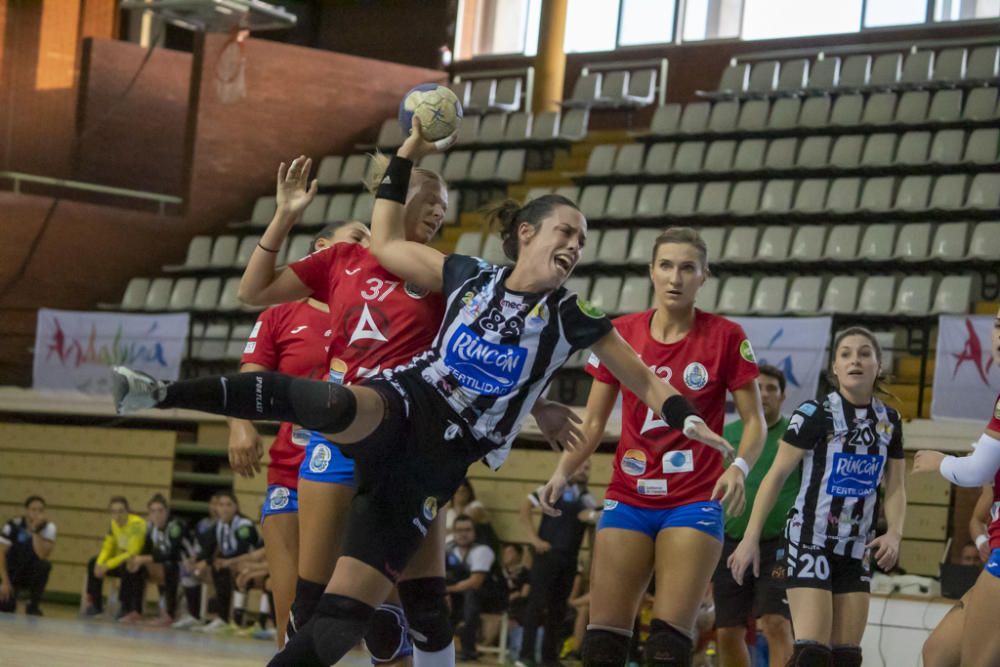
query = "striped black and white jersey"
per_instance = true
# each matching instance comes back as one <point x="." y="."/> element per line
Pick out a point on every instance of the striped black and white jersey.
<point x="846" y="450"/>
<point x="237" y="537"/>
<point x="497" y="349"/>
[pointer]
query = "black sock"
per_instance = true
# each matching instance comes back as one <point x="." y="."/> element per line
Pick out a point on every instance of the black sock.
<point x="238" y="617"/>
<point x="192" y="594"/>
<point x="316" y="405"/>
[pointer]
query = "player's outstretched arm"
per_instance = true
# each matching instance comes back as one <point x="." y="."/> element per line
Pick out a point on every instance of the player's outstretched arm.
<point x="411" y="261"/>
<point x="262" y="283"/>
<point x="660" y="396"/>
<point x="974" y="470"/>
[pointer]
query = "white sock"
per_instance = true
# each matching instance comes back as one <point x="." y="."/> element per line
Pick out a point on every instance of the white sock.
<point x="265" y="604"/>
<point x="443" y="658"/>
<point x="239" y="600"/>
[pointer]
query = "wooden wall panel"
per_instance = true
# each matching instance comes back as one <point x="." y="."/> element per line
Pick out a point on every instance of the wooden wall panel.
<point x="77" y="469"/>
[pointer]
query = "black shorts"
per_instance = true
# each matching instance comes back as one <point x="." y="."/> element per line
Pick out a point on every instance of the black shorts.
<point x="811" y="566"/>
<point x="405" y="471"/>
<point x="735" y="605"/>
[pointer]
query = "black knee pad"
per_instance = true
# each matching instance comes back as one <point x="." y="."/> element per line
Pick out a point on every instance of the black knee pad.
<point x="322" y="406"/>
<point x="604" y="648"/>
<point x="339" y="624"/>
<point x="846" y="655"/>
<point x="388" y="636"/>
<point x="666" y="646"/>
<point x="811" y="654"/>
<point x="426" y="605"/>
<point x="307" y="595"/>
<point x="299" y="651"/>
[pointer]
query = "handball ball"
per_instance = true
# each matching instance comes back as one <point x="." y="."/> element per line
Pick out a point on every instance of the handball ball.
<point x="436" y="106"/>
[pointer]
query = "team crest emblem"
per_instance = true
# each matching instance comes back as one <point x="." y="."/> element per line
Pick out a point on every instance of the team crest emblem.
<point x="695" y="376"/>
<point x="589" y="309"/>
<point x="430" y="508"/>
<point x="413" y="291"/>
<point x="996" y="410"/>
<point x="452" y="431"/>
<point x="634" y="462"/>
<point x="279" y="498"/>
<point x="320" y="459"/>
<point x="746" y="351"/>
<point x="538" y="315"/>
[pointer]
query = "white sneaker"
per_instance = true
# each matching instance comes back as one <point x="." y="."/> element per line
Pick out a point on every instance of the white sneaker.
<point x="186" y="622"/>
<point x="133" y="390"/>
<point x="217" y="625"/>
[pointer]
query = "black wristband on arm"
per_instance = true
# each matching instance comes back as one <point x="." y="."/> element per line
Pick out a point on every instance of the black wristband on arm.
<point x="675" y="410"/>
<point x="396" y="181"/>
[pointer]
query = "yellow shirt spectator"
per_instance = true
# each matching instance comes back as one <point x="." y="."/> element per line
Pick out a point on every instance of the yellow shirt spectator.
<point x="121" y="542"/>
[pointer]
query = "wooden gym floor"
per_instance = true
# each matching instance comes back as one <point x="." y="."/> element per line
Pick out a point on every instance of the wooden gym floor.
<point x="60" y="639"/>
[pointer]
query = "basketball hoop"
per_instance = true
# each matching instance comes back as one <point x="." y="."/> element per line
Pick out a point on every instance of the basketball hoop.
<point x="230" y="68"/>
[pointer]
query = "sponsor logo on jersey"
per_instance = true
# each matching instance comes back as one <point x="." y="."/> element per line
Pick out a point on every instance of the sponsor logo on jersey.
<point x="651" y="487"/>
<point x="854" y="475"/>
<point x="300" y="436"/>
<point x="351" y="272"/>
<point x="320" y="459"/>
<point x="589" y="309"/>
<point x="695" y="376"/>
<point x="338" y="369"/>
<point x="681" y="460"/>
<point x="328" y="333"/>
<point x="592" y="360"/>
<point x="452" y="431"/>
<point x="250" y="347"/>
<point x="808" y="409"/>
<point x="279" y="498"/>
<point x="255" y="330"/>
<point x="300" y="328"/>
<point x="414" y="291"/>
<point x="430" y="508"/>
<point x="609" y="505"/>
<point x="795" y="423"/>
<point x="367" y="328"/>
<point x="746" y="351"/>
<point x="474" y="304"/>
<point x="485" y="367"/>
<point x="634" y="462"/>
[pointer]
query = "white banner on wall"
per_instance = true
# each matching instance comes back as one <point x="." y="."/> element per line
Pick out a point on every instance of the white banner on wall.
<point x="795" y="345"/>
<point x="74" y="349"/>
<point x="966" y="381"/>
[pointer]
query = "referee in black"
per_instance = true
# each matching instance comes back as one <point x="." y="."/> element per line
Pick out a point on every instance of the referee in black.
<point x="557" y="546"/>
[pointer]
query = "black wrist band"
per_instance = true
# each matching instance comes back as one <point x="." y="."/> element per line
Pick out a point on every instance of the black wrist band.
<point x="396" y="181"/>
<point x="675" y="410"/>
<point x="266" y="249"/>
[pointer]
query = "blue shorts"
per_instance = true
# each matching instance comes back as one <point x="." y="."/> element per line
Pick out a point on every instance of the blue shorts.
<point x="993" y="564"/>
<point x="324" y="462"/>
<point x="704" y="516"/>
<point x="279" y="500"/>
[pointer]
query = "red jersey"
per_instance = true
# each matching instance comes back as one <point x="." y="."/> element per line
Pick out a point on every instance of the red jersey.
<point x="290" y="338"/>
<point x="657" y="467"/>
<point x="378" y="321"/>
<point x="994" y="426"/>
